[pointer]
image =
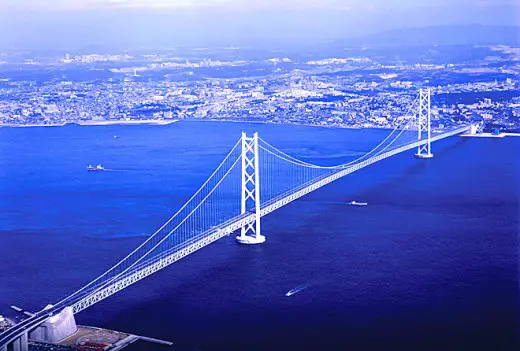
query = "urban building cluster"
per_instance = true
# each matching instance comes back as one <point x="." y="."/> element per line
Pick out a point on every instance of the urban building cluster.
<point x="5" y="324"/>
<point x="341" y="91"/>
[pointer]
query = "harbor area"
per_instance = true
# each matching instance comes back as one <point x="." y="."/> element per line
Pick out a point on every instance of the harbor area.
<point x="97" y="339"/>
<point x="88" y="338"/>
<point x="61" y="333"/>
<point x="491" y="135"/>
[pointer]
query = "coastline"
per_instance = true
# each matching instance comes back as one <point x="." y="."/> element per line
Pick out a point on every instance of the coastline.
<point x="167" y="122"/>
<point x="132" y="122"/>
<point x="334" y="126"/>
<point x="96" y="123"/>
<point x="490" y="135"/>
<point x="286" y="123"/>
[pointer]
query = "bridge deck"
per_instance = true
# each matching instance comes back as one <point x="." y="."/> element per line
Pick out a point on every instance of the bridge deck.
<point x="153" y="265"/>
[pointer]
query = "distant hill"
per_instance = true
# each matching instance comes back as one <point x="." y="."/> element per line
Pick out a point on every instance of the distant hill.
<point x="445" y="35"/>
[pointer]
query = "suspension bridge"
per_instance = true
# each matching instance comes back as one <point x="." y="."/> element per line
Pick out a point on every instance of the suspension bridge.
<point x="254" y="179"/>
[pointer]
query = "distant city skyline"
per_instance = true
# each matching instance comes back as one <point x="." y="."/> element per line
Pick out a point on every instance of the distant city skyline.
<point x="55" y="24"/>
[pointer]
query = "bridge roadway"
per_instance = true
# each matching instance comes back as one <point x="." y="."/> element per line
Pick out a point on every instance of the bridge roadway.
<point x="165" y="259"/>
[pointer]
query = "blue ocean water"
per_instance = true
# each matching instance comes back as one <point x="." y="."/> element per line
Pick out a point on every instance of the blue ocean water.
<point x="430" y="264"/>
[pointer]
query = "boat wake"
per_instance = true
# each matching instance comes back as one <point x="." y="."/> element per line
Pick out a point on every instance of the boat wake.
<point x="118" y="170"/>
<point x="296" y="290"/>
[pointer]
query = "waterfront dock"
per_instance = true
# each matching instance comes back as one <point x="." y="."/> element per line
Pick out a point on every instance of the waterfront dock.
<point x="87" y="337"/>
<point x="491" y="135"/>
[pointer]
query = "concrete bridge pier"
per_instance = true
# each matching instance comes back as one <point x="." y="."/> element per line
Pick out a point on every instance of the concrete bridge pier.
<point x="20" y="344"/>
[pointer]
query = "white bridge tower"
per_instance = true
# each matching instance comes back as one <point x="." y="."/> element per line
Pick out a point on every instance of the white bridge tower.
<point x="424" y="123"/>
<point x="250" y="199"/>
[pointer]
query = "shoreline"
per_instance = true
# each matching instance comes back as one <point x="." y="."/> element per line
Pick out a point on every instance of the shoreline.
<point x="165" y="122"/>
<point x="287" y="123"/>
<point x="308" y="125"/>
<point x="132" y="122"/>
<point x="96" y="123"/>
<point x="168" y="122"/>
<point x="490" y="135"/>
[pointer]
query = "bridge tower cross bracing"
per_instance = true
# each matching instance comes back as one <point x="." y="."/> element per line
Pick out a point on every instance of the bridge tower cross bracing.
<point x="250" y="233"/>
<point x="424" y="123"/>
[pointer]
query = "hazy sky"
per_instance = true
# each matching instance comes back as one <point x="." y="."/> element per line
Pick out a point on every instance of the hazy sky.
<point x="76" y="23"/>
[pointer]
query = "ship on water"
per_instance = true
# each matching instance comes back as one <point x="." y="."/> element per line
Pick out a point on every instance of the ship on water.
<point x="98" y="168"/>
<point x="355" y="203"/>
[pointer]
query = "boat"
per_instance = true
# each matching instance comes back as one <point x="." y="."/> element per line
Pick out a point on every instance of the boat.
<point x="116" y="136"/>
<point x="97" y="168"/>
<point x="355" y="203"/>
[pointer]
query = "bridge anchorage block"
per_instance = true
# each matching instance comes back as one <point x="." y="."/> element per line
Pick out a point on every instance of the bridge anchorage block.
<point x="56" y="328"/>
